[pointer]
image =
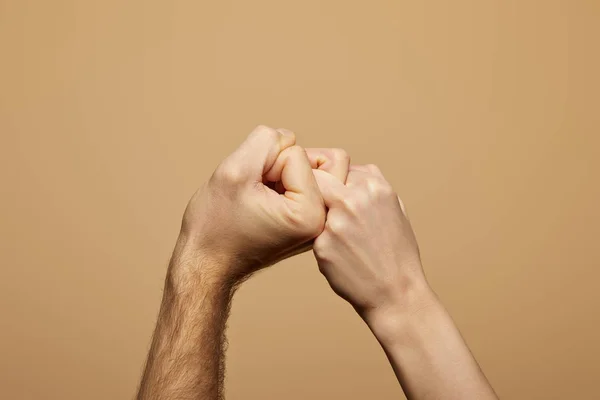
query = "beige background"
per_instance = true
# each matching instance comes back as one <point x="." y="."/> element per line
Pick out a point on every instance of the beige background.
<point x="483" y="114"/>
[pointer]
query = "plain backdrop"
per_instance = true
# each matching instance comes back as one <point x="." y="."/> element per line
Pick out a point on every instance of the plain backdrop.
<point x="484" y="115"/>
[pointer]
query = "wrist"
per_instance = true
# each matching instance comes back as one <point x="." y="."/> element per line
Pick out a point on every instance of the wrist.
<point x="193" y="267"/>
<point x="399" y="317"/>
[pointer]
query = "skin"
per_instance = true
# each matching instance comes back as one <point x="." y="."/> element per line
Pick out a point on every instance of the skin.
<point x="369" y="255"/>
<point x="268" y="201"/>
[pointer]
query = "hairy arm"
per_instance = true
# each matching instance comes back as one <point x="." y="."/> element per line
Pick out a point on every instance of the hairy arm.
<point x="234" y="225"/>
<point x="186" y="358"/>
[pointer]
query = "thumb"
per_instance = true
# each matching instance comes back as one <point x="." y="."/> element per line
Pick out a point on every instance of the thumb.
<point x="258" y="152"/>
<point x="335" y="161"/>
<point x="332" y="190"/>
<point x="293" y="170"/>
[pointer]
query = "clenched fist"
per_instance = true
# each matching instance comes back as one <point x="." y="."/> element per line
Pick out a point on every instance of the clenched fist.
<point x="370" y="257"/>
<point x="261" y="205"/>
<point x="367" y="251"/>
<point x="269" y="200"/>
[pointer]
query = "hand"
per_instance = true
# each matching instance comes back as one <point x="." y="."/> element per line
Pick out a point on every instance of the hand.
<point x="367" y="251"/>
<point x="370" y="257"/>
<point x="333" y="161"/>
<point x="261" y="204"/>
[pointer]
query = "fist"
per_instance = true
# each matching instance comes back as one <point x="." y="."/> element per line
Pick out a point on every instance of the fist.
<point x="261" y="205"/>
<point x="367" y="251"/>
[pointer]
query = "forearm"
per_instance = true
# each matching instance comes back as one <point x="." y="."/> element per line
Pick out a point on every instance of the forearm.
<point x="427" y="352"/>
<point x="186" y="359"/>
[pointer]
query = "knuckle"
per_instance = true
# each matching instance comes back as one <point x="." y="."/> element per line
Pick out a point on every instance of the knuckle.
<point x="374" y="169"/>
<point x="321" y="245"/>
<point x="295" y="151"/>
<point x="379" y="188"/>
<point x="336" y="226"/>
<point x="340" y="154"/>
<point x="266" y="131"/>
<point x="263" y="128"/>
<point x="229" y="173"/>
<point x="308" y="223"/>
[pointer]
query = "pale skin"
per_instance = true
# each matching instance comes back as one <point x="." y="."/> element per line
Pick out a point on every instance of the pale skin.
<point x="268" y="201"/>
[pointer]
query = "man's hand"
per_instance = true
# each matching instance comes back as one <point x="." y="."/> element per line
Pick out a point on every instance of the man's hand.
<point x="261" y="205"/>
<point x="370" y="257"/>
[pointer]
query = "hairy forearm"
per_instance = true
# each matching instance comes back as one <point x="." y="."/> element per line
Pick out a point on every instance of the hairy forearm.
<point x="427" y="352"/>
<point x="186" y="359"/>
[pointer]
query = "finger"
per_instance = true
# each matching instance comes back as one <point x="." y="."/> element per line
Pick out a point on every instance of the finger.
<point x="334" y="161"/>
<point x="293" y="170"/>
<point x="368" y="168"/>
<point x="361" y="168"/>
<point x="360" y="174"/>
<point x="357" y="176"/>
<point x="258" y="152"/>
<point x="332" y="190"/>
